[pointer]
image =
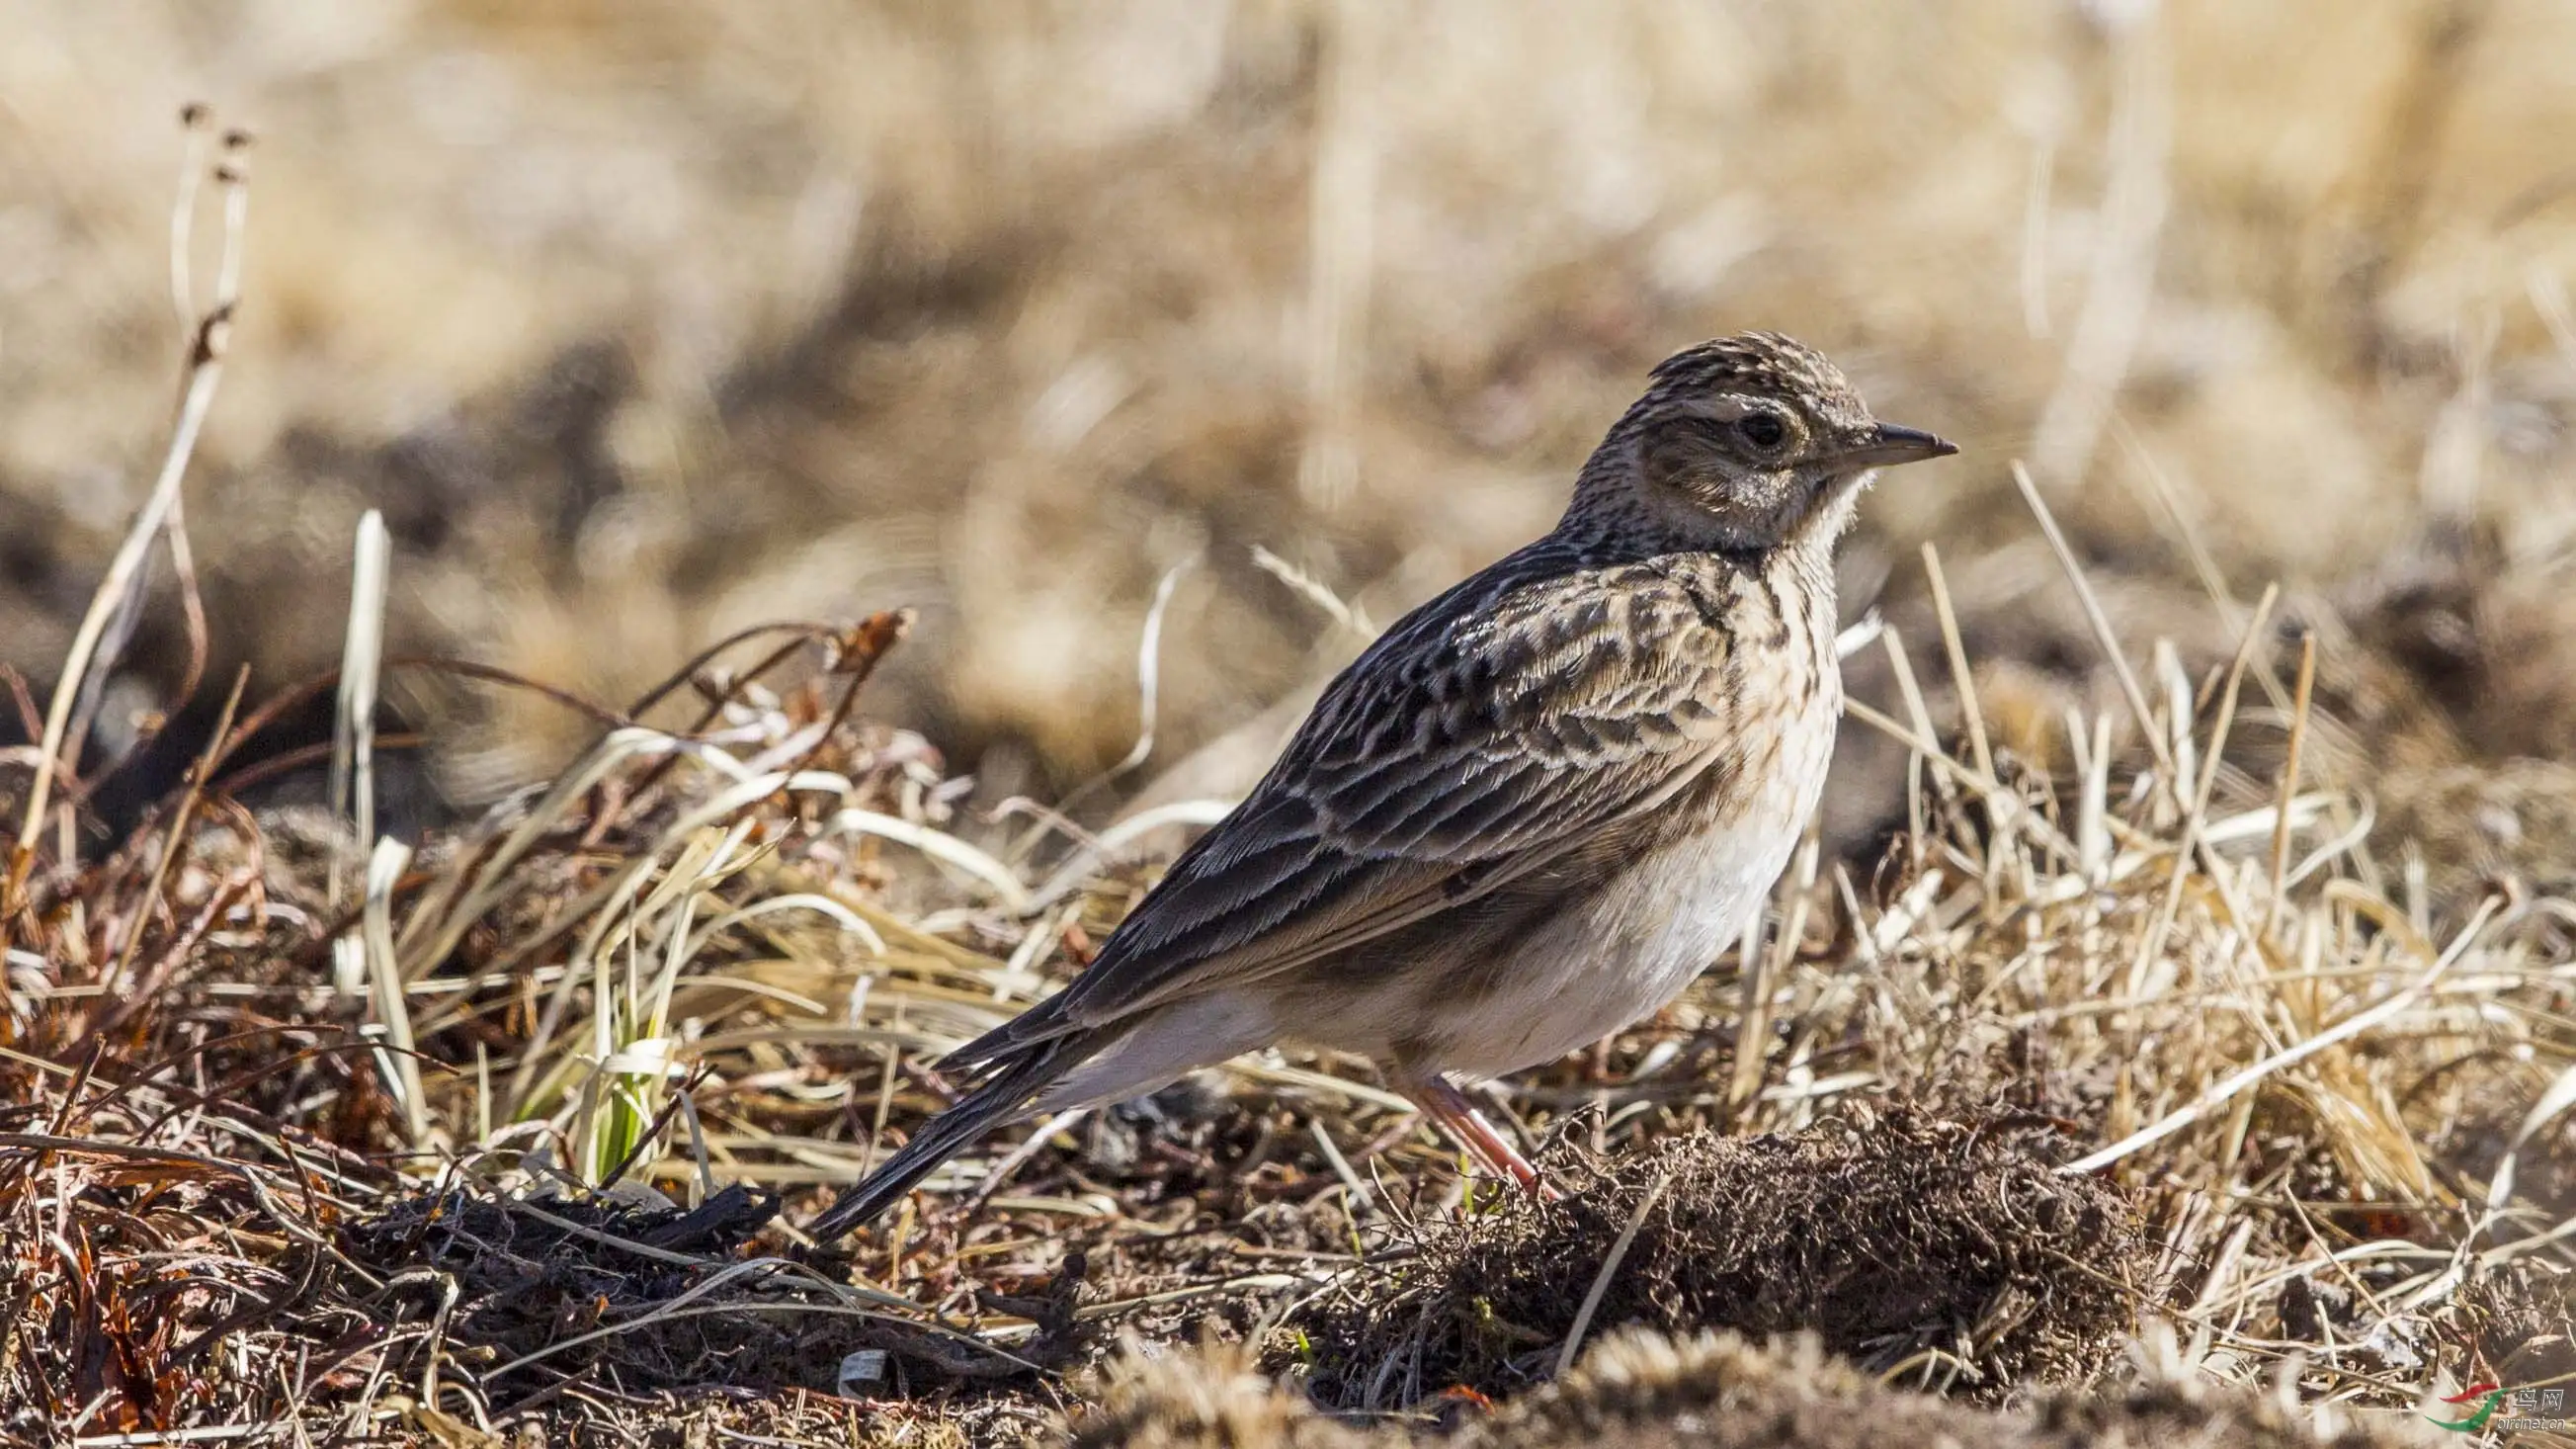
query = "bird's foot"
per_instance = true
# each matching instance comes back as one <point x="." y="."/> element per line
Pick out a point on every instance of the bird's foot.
<point x="1440" y="1100"/>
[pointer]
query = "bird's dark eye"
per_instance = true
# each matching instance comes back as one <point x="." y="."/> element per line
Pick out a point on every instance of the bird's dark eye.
<point x="1762" y="430"/>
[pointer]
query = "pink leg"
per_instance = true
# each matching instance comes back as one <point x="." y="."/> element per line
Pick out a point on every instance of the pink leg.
<point x="1443" y="1103"/>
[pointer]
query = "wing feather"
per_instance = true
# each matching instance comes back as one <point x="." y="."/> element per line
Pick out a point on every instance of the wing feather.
<point x="1484" y="736"/>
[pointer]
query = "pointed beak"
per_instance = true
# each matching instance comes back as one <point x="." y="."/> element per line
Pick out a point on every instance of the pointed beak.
<point x="1892" y="445"/>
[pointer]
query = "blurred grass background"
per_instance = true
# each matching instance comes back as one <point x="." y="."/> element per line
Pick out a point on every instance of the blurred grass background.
<point x="645" y="321"/>
<point x="642" y="322"/>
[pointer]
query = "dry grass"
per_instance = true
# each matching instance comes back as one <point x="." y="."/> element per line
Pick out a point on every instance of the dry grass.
<point x="235" y="1196"/>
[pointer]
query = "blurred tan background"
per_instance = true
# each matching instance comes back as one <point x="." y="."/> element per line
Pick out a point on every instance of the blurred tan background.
<point x="646" y="320"/>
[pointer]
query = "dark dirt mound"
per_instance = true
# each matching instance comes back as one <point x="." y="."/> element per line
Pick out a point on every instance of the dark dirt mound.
<point x="1896" y="1238"/>
<point x="532" y="1276"/>
<point x="1643" y="1390"/>
<point x="642" y="1299"/>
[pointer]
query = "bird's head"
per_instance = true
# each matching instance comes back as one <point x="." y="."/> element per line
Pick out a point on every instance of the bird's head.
<point x="1753" y="441"/>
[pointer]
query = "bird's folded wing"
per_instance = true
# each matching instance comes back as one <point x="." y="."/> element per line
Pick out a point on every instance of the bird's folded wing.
<point x="1452" y="758"/>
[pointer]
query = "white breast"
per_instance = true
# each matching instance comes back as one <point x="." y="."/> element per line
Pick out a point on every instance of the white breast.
<point x="1637" y="944"/>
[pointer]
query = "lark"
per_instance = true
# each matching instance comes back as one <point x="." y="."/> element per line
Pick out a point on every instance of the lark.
<point x="1528" y="815"/>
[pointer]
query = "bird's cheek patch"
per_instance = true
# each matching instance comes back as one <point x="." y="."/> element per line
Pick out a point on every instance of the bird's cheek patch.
<point x="1673" y="458"/>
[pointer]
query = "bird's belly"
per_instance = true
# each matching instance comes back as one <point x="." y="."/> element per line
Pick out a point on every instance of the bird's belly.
<point x="1620" y="954"/>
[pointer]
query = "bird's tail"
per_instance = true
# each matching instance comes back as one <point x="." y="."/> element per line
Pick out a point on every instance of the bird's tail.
<point x="1012" y="1079"/>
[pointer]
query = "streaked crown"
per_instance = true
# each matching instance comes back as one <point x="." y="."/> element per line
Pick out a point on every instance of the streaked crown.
<point x="1764" y="364"/>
